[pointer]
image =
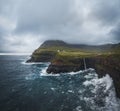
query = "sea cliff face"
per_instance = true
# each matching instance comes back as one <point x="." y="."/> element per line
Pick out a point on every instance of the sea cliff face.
<point x="59" y="66"/>
<point x="65" y="57"/>
<point x="108" y="65"/>
<point x="44" y="56"/>
<point x="102" y="64"/>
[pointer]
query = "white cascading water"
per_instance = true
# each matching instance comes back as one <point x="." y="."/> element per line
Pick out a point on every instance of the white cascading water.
<point x="85" y="67"/>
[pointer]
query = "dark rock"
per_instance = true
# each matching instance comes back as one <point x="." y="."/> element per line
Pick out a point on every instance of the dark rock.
<point x="45" y="56"/>
<point x="103" y="65"/>
<point x="62" y="68"/>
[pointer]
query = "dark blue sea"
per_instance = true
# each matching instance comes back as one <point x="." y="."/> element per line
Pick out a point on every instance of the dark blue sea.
<point x="27" y="87"/>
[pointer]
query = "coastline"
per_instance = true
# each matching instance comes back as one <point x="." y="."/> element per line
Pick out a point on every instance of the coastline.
<point x="64" y="58"/>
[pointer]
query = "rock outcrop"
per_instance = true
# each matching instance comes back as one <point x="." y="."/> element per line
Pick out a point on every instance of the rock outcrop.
<point x="58" y="66"/>
<point x="43" y="56"/>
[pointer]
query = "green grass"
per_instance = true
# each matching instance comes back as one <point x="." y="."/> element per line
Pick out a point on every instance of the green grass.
<point x="67" y="55"/>
<point x="67" y="52"/>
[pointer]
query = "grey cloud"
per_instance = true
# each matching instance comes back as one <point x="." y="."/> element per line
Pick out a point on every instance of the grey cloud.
<point x="8" y="8"/>
<point x="46" y="16"/>
<point x="107" y="12"/>
<point x="56" y="20"/>
<point x="115" y="33"/>
<point x="74" y="21"/>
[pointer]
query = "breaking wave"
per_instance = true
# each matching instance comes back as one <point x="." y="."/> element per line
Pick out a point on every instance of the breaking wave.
<point x="93" y="93"/>
<point x="103" y="97"/>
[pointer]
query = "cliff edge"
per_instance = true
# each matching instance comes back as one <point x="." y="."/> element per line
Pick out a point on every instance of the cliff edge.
<point x="64" y="57"/>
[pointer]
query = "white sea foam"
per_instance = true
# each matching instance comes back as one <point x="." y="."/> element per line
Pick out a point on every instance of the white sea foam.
<point x="32" y="63"/>
<point x="78" y="108"/>
<point x="70" y="91"/>
<point x="46" y="74"/>
<point x="53" y="89"/>
<point x="43" y="72"/>
<point x="80" y="71"/>
<point x="73" y="73"/>
<point x="101" y="88"/>
<point x="107" y="81"/>
<point x="103" y="91"/>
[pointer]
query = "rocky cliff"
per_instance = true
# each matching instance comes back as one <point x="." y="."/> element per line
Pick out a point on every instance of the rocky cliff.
<point x="105" y="59"/>
<point x="102" y="64"/>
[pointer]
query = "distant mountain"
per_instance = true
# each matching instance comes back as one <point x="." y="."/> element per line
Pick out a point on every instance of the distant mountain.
<point x="52" y="43"/>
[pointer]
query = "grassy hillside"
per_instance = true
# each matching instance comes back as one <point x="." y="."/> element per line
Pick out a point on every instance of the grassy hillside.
<point x="61" y="50"/>
<point x="77" y="50"/>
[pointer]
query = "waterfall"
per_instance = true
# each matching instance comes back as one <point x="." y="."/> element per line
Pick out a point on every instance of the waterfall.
<point x="84" y="64"/>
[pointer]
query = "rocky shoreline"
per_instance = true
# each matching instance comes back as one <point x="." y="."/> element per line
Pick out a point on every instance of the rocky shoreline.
<point x="101" y="65"/>
<point x="77" y="57"/>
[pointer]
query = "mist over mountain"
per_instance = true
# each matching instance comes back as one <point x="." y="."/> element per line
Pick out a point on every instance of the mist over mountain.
<point x="57" y="43"/>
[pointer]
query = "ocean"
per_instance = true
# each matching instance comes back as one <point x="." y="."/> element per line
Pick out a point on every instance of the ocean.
<point x="27" y="87"/>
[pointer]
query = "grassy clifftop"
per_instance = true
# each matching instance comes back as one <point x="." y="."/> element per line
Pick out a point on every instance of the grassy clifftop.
<point x="55" y="49"/>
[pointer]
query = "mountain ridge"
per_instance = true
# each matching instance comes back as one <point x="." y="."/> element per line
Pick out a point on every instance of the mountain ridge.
<point x="52" y="43"/>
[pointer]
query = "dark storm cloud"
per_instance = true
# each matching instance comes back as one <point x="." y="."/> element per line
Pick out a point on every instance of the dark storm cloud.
<point x="43" y="16"/>
<point x="115" y="33"/>
<point x="108" y="12"/>
<point x="23" y="22"/>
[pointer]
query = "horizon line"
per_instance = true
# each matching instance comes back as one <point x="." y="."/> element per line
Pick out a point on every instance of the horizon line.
<point x="14" y="53"/>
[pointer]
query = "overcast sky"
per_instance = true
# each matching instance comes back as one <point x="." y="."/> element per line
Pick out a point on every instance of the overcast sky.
<point x="25" y="24"/>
